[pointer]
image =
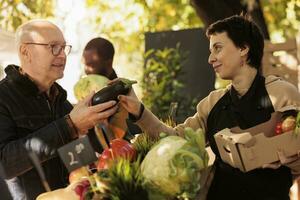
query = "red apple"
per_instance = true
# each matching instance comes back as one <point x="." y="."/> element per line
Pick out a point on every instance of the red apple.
<point x="288" y="124"/>
<point x="278" y="128"/>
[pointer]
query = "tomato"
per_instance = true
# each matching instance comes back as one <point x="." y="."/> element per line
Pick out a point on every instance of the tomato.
<point x="119" y="149"/>
<point x="122" y="148"/>
<point x="104" y="159"/>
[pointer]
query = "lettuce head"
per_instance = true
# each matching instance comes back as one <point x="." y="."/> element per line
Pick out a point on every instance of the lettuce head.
<point x="88" y="84"/>
<point x="172" y="168"/>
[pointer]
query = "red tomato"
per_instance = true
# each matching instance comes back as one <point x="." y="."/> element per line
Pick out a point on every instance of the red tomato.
<point x="122" y="148"/>
<point x="119" y="148"/>
<point x="104" y="159"/>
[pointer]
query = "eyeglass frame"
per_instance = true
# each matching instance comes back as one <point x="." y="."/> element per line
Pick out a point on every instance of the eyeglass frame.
<point x="51" y="46"/>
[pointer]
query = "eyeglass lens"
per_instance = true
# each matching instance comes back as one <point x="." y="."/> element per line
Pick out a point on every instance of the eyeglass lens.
<point x="56" y="49"/>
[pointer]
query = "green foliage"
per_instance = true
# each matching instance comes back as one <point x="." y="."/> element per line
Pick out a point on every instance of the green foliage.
<point x="125" y="22"/>
<point x="126" y="181"/>
<point x="16" y="12"/>
<point x="170" y="15"/>
<point x="143" y="143"/>
<point x="122" y="22"/>
<point x="282" y="17"/>
<point x="161" y="82"/>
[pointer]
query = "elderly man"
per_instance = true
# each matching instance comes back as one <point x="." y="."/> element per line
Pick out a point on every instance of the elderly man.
<point x="34" y="113"/>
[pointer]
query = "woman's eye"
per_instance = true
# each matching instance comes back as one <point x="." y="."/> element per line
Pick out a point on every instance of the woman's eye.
<point x="218" y="49"/>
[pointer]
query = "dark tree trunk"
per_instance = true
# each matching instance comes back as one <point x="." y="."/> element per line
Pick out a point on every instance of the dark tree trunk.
<point x="212" y="10"/>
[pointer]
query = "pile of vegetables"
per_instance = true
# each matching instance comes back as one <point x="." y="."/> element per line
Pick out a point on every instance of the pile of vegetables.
<point x="149" y="169"/>
<point x="168" y="167"/>
<point x="119" y="148"/>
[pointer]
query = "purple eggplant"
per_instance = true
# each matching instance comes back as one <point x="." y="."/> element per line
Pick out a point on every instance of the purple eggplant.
<point x="111" y="92"/>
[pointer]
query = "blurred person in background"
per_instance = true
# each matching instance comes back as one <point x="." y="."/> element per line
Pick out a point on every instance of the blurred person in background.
<point x="97" y="58"/>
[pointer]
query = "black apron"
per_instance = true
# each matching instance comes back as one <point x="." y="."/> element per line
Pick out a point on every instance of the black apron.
<point x="253" y="108"/>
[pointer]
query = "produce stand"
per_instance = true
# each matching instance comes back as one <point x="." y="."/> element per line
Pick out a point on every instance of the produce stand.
<point x="170" y="167"/>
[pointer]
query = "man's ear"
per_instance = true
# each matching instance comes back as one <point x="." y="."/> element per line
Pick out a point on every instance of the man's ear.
<point x="25" y="53"/>
<point x="244" y="50"/>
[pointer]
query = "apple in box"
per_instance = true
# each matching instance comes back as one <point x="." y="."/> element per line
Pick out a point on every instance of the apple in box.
<point x="288" y="124"/>
<point x="252" y="148"/>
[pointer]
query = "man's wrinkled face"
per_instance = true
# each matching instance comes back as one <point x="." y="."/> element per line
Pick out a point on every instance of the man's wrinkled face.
<point x="42" y="62"/>
<point x="94" y="64"/>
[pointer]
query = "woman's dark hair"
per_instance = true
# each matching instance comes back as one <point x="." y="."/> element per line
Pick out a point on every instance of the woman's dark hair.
<point x="243" y="32"/>
<point x="104" y="48"/>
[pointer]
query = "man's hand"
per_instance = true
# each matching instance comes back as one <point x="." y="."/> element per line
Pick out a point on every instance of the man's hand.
<point x="85" y="116"/>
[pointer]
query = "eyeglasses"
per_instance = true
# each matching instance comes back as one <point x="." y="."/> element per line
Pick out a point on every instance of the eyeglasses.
<point x="55" y="48"/>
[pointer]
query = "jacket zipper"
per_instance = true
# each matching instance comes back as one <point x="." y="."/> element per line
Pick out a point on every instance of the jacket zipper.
<point x="50" y="108"/>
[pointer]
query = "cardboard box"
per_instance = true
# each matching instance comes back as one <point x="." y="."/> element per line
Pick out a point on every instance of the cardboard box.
<point x="252" y="148"/>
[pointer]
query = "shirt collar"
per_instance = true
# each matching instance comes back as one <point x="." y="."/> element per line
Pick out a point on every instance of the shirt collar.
<point x="258" y="80"/>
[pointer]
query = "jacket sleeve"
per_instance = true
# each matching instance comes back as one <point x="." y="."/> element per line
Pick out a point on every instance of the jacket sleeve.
<point x="43" y="142"/>
<point x="284" y="94"/>
<point x="150" y="124"/>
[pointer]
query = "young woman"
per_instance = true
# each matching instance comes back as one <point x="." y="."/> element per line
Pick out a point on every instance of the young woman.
<point x="236" y="46"/>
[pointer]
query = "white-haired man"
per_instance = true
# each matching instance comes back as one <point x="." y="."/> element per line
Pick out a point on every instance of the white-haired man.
<point x="34" y="113"/>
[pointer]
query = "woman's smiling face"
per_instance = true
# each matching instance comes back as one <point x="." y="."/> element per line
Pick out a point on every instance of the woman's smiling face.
<point x="225" y="57"/>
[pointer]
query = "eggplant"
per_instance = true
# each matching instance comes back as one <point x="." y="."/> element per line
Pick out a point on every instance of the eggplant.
<point x="111" y="92"/>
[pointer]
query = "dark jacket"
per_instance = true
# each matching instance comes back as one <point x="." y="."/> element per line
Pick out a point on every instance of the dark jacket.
<point x="29" y="122"/>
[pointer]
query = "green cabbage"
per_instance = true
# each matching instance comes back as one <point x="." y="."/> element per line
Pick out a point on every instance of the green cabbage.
<point x="172" y="168"/>
<point x="88" y="84"/>
<point x="297" y="129"/>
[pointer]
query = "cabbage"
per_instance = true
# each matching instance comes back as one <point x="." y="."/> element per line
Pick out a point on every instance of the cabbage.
<point x="172" y="168"/>
<point x="88" y="84"/>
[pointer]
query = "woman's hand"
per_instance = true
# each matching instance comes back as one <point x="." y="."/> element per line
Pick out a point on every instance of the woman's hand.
<point x="131" y="103"/>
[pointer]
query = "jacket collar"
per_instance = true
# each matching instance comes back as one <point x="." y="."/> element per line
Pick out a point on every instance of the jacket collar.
<point x="25" y="84"/>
